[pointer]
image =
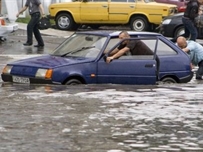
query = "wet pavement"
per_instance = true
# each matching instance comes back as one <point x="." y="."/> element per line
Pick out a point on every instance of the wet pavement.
<point x="14" y="44"/>
<point x="96" y="118"/>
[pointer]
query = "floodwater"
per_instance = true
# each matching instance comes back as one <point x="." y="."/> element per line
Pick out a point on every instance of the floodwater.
<point x="100" y="118"/>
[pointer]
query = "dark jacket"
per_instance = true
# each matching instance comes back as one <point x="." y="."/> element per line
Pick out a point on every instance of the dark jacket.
<point x="192" y="9"/>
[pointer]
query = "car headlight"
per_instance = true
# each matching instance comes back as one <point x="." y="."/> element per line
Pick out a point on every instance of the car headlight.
<point x="173" y="10"/>
<point x="7" y="69"/>
<point x="166" y="21"/>
<point x="44" y="73"/>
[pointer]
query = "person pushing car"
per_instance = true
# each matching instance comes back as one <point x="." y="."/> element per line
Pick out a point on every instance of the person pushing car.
<point x="195" y="52"/>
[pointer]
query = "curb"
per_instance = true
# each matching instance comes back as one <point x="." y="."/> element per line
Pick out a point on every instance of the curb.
<point x="50" y="31"/>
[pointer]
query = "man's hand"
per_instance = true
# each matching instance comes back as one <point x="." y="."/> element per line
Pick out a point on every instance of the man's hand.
<point x="200" y="12"/>
<point x="109" y="59"/>
<point x="17" y="15"/>
<point x="43" y="15"/>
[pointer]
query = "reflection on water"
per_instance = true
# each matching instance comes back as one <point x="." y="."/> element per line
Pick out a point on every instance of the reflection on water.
<point x="101" y="118"/>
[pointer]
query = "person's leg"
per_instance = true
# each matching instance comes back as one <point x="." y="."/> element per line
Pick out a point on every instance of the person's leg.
<point x="199" y="73"/>
<point x="37" y="33"/>
<point x="30" y="27"/>
<point x="186" y="27"/>
<point x="186" y="33"/>
<point x="192" y="29"/>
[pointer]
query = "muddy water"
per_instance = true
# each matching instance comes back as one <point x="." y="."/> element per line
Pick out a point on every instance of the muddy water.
<point x="101" y="118"/>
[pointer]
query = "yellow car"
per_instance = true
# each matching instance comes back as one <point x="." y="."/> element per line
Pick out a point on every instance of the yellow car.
<point x="140" y="15"/>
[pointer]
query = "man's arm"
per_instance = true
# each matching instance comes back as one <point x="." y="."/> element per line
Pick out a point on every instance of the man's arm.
<point x="21" y="11"/>
<point x="118" y="54"/>
<point x="186" y="50"/>
<point x="42" y="10"/>
<point x="112" y="52"/>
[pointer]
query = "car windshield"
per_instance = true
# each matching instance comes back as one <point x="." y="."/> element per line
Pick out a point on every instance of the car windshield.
<point x="81" y="45"/>
<point x="148" y="1"/>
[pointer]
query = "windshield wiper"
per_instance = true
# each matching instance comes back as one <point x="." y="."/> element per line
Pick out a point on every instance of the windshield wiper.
<point x="78" y="50"/>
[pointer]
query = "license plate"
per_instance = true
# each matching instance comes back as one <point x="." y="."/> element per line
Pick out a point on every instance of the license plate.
<point x="21" y="79"/>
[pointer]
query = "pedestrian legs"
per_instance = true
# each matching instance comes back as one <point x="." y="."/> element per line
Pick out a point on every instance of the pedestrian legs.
<point x="199" y="73"/>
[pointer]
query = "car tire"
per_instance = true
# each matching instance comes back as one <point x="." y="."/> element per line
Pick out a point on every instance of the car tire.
<point x="65" y="21"/>
<point x="179" y="31"/>
<point x="168" y="80"/>
<point x="139" y="23"/>
<point x="73" y="82"/>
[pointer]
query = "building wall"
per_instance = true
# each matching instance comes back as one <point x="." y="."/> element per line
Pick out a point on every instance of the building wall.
<point x="21" y="3"/>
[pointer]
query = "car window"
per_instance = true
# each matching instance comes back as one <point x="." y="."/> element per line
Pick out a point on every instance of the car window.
<point x="123" y="0"/>
<point x="97" y="0"/>
<point x="142" y="56"/>
<point x="118" y="0"/>
<point x="162" y="48"/>
<point x="65" y="1"/>
<point x="100" y="0"/>
<point x="112" y="43"/>
<point x="147" y="1"/>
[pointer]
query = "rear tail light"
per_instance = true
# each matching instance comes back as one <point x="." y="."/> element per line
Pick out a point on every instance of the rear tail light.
<point x="2" y="22"/>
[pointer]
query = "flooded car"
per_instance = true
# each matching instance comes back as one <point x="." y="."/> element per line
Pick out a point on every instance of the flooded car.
<point x="80" y="59"/>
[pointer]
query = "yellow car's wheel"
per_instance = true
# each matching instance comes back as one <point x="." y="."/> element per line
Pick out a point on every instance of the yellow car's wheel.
<point x="139" y="23"/>
<point x="64" y="21"/>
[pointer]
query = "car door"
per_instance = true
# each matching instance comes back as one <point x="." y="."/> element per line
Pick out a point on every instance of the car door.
<point x="119" y="10"/>
<point x="94" y="10"/>
<point x="128" y="69"/>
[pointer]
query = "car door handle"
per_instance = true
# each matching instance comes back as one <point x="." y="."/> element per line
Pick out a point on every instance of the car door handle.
<point x="149" y="65"/>
<point x="131" y="6"/>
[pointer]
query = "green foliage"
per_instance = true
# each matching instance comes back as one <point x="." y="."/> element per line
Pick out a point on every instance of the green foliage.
<point x="23" y="20"/>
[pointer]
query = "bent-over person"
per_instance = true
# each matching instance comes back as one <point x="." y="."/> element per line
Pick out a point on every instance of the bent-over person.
<point x="195" y="52"/>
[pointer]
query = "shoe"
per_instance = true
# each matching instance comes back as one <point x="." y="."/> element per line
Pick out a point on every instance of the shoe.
<point x="27" y="44"/>
<point x="198" y="78"/>
<point x="39" y="46"/>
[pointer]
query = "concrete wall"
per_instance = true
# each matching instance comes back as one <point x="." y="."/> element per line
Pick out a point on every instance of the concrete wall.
<point x="18" y="4"/>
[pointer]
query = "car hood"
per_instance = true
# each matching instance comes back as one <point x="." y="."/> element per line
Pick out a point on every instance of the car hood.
<point x="49" y="61"/>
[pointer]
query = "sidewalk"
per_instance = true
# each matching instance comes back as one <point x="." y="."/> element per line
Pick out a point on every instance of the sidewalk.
<point x="50" y="31"/>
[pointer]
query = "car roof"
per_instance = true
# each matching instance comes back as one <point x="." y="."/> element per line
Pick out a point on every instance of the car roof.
<point x="116" y="33"/>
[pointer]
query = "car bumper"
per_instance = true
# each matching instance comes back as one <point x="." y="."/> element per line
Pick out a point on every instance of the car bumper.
<point x="187" y="79"/>
<point x="7" y="29"/>
<point x="9" y="78"/>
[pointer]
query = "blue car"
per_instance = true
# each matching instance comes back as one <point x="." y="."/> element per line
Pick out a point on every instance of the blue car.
<point x="80" y="59"/>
